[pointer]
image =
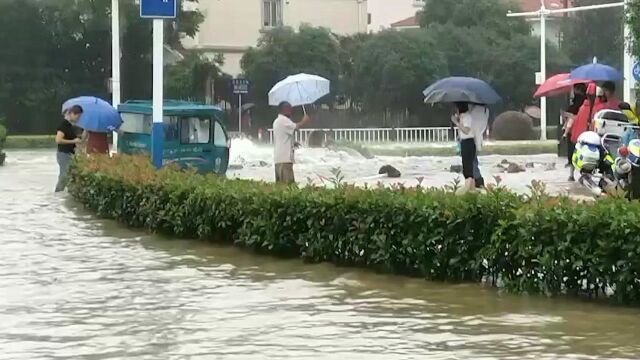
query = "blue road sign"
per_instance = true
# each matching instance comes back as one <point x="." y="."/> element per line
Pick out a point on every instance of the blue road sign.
<point x="636" y="71"/>
<point x="159" y="9"/>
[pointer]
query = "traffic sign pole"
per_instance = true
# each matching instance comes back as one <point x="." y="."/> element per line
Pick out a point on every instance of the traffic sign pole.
<point x="157" y="133"/>
<point x="240" y="86"/>
<point x="115" y="62"/>
<point x="240" y="113"/>
<point x="158" y="10"/>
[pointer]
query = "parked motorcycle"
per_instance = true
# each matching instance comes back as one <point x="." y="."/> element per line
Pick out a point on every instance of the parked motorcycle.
<point x="606" y="165"/>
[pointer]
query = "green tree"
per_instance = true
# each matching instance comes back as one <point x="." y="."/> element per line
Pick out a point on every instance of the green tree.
<point x="632" y="18"/>
<point x="508" y="64"/>
<point x="392" y="68"/>
<point x="478" y="40"/>
<point x="189" y="78"/>
<point x="27" y="75"/>
<point x="283" y="51"/>
<point x="488" y="15"/>
<point x="54" y="49"/>
<point x="350" y="48"/>
<point x="594" y="33"/>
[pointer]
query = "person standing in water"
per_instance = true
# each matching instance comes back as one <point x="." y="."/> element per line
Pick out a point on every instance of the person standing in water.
<point x="463" y="121"/>
<point x="284" y="144"/>
<point x="579" y="96"/>
<point x="66" y="138"/>
<point x="479" y="121"/>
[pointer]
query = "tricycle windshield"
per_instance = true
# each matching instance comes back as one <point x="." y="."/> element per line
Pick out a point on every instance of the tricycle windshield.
<point x="195" y="130"/>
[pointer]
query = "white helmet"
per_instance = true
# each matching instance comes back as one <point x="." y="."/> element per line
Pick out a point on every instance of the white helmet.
<point x="622" y="166"/>
<point x="590" y="138"/>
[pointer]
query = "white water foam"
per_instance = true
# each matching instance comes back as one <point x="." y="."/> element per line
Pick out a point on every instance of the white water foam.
<point x="315" y="165"/>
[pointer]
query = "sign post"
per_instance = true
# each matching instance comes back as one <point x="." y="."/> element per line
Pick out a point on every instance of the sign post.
<point x="240" y="86"/>
<point x="158" y="10"/>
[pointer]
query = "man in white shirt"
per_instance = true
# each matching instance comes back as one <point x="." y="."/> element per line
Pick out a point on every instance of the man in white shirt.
<point x="283" y="143"/>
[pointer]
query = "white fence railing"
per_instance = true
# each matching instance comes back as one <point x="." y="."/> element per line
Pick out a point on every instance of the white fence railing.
<point x="379" y="135"/>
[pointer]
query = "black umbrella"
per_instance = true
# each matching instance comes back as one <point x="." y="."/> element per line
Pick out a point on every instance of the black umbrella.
<point x="461" y="89"/>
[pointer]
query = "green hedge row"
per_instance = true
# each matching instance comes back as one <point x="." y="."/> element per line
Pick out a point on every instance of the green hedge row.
<point x="533" y="244"/>
<point x="3" y="136"/>
<point x="30" y="141"/>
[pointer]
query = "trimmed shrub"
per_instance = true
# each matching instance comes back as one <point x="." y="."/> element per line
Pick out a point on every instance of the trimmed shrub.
<point x="30" y="141"/>
<point x="513" y="125"/>
<point x="3" y="136"/>
<point x="534" y="244"/>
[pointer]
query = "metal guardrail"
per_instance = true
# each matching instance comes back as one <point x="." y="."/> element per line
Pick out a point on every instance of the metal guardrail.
<point x="379" y="135"/>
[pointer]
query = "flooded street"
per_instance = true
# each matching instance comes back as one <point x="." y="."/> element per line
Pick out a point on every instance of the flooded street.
<point x="76" y="287"/>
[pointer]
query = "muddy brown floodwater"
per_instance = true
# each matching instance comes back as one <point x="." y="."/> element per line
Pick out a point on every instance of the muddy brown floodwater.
<point x="76" y="287"/>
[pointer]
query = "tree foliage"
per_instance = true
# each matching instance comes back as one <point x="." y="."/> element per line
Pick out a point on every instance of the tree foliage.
<point x="632" y="17"/>
<point x="189" y="78"/>
<point x="478" y="40"/>
<point x="284" y="51"/>
<point x="486" y="15"/>
<point x="392" y="68"/>
<point x="596" y="33"/>
<point x="54" y="49"/>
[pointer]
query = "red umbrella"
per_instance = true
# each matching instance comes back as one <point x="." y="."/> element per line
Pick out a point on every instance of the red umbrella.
<point x="558" y="85"/>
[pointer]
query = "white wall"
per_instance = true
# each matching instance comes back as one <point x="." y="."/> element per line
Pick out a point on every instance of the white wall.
<point x="386" y="12"/>
<point x="341" y="16"/>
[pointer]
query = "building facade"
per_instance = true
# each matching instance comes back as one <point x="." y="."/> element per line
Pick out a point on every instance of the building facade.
<point x="233" y="26"/>
<point x="384" y="13"/>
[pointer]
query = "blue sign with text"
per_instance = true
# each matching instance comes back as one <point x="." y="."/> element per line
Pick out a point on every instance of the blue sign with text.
<point x="636" y="71"/>
<point x="159" y="9"/>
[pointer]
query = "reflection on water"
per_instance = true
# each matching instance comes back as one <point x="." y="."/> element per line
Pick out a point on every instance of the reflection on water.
<point x="77" y="287"/>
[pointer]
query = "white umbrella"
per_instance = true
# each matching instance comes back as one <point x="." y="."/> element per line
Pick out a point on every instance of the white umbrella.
<point x="300" y="89"/>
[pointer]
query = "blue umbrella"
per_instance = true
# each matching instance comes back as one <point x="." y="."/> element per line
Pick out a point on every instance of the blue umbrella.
<point x="461" y="89"/>
<point x="97" y="115"/>
<point x="596" y="72"/>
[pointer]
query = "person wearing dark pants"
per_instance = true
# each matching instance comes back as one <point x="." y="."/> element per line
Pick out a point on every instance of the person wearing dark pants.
<point x="462" y="120"/>
<point x="66" y="138"/>
<point x="477" y="175"/>
<point x="579" y="95"/>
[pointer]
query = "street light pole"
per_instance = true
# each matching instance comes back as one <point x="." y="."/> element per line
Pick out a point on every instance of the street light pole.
<point x="115" y="60"/>
<point x="628" y="70"/>
<point x="543" y="69"/>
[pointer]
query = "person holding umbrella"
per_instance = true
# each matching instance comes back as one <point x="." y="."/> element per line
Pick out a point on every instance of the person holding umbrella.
<point x="579" y="96"/>
<point x="284" y="144"/>
<point x="463" y="121"/>
<point x="99" y="119"/>
<point x="67" y="139"/>
<point x="471" y="120"/>
<point x="295" y="90"/>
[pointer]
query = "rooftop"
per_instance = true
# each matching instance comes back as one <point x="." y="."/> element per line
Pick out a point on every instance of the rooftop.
<point x="171" y="107"/>
<point x="408" y="22"/>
